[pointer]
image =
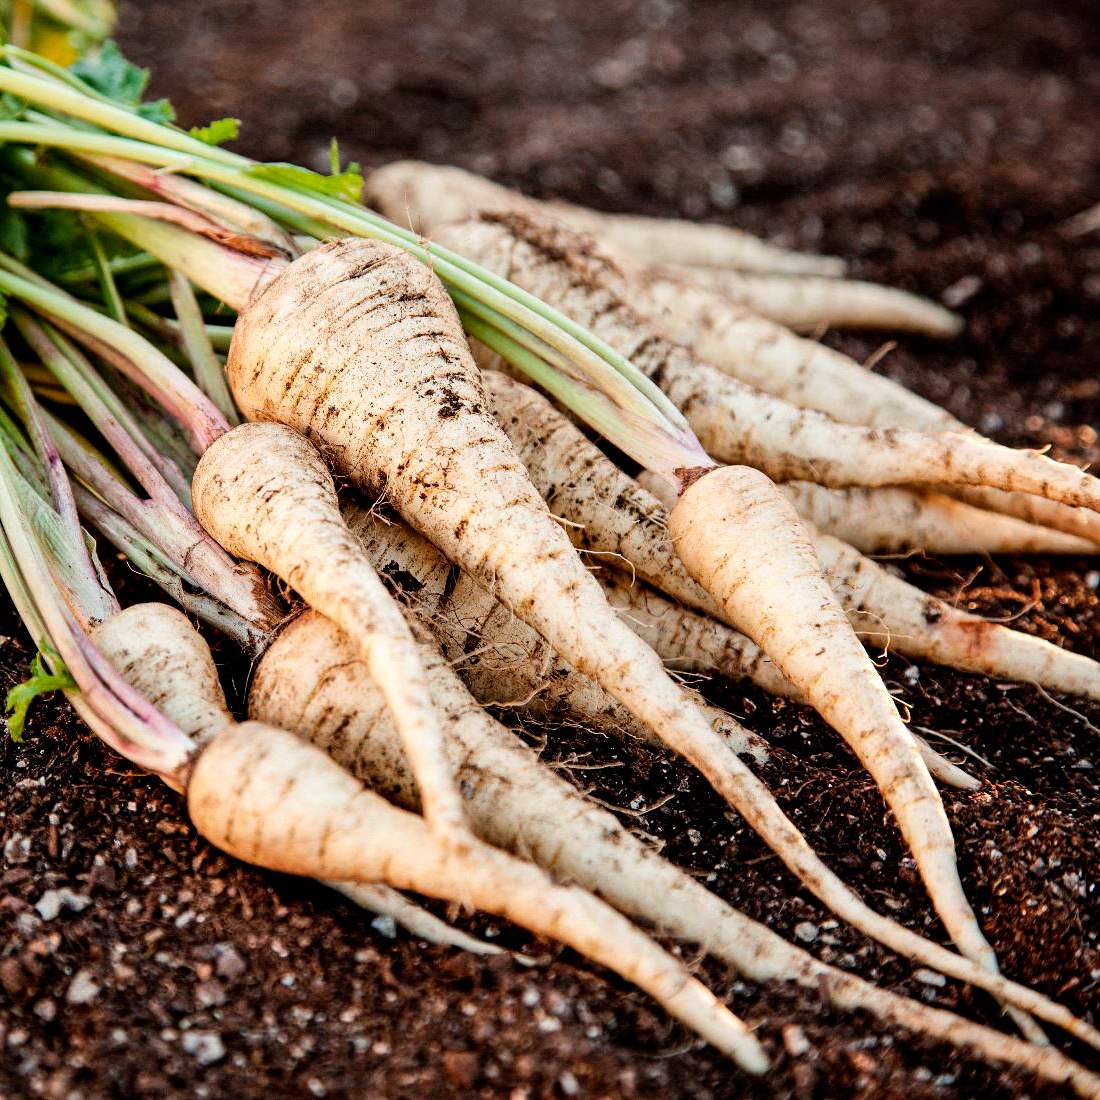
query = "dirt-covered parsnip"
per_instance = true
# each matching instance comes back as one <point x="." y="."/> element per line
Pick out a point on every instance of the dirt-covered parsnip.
<point x="767" y="355"/>
<point x="159" y="653"/>
<point x="518" y="804"/>
<point x="742" y="541"/>
<point x="267" y="797"/>
<point x="427" y="196"/>
<point x="612" y="516"/>
<point x="265" y="494"/>
<point x="808" y="302"/>
<point x="895" y="520"/>
<point x="358" y="346"/>
<point x="736" y="423"/>
<point x="502" y="660"/>
<point x="508" y="664"/>
<point x="764" y="354"/>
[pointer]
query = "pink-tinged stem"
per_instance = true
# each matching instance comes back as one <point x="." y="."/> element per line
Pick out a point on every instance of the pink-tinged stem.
<point x="145" y="364"/>
<point x="187" y="219"/>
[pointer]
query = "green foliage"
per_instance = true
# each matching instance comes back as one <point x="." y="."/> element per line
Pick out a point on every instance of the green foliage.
<point x="11" y="107"/>
<point x="343" y="185"/>
<point x="107" y="72"/>
<point x="217" y="132"/>
<point x="40" y="681"/>
<point x="13" y="233"/>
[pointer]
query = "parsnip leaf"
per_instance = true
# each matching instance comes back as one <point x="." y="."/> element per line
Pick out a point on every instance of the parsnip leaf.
<point x="106" y="71"/>
<point x="40" y="682"/>
<point x="344" y="185"/>
<point x="217" y="132"/>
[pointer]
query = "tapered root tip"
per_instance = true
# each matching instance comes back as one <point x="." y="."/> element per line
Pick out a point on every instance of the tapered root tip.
<point x="742" y="1046"/>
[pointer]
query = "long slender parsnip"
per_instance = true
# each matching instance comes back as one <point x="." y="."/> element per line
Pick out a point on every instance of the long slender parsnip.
<point x="427" y="196"/>
<point x="612" y="516"/>
<point x="267" y="797"/>
<point x="736" y="423"/>
<point x="265" y="494"/>
<point x="358" y="346"/>
<point x="742" y="541"/>
<point x="895" y="521"/>
<point x="765" y="354"/>
<point x="520" y="805"/>
<point x="806" y="302"/>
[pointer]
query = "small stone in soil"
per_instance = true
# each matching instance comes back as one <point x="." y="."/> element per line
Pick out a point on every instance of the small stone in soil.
<point x="50" y="904"/>
<point x="230" y="964"/>
<point x="206" y="1047"/>
<point x="805" y="931"/>
<point x="83" y="989"/>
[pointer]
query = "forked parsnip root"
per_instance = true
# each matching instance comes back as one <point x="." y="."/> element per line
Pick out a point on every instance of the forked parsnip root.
<point x="160" y="654"/>
<point x="519" y="804"/>
<point x="741" y="540"/>
<point x="266" y="495"/>
<point x="268" y="797"/>
<point x="497" y="655"/>
<point x="427" y="196"/>
<point x="807" y="302"/>
<point x="734" y="422"/>
<point x="358" y="346"/>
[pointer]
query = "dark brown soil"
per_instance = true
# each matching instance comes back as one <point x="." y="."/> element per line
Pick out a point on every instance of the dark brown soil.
<point x="931" y="143"/>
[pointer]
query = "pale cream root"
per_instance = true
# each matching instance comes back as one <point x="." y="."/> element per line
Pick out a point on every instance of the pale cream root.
<point x="264" y="493"/>
<point x="358" y="346"/>
<point x="742" y="541"/>
<point x="267" y="797"/>
<point x="806" y="303"/>
<point x="895" y="521"/>
<point x="736" y="423"/>
<point x="427" y="196"/>
<point x="311" y="683"/>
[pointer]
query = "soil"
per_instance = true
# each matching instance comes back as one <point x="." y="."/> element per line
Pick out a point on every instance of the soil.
<point x="938" y="145"/>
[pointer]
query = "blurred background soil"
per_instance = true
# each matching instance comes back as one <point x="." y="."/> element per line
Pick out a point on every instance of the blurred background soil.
<point x="938" y="146"/>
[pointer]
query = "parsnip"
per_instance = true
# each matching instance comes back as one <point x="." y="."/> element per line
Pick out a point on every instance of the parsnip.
<point x="265" y="494"/>
<point x="518" y="804"/>
<point x="765" y="354"/>
<point x="741" y="540"/>
<point x="612" y="516"/>
<point x="895" y="521"/>
<point x="736" y="423"/>
<point x="267" y="797"/>
<point x="806" y="302"/>
<point x="427" y="196"/>
<point x="358" y="346"/>
<point x="289" y="807"/>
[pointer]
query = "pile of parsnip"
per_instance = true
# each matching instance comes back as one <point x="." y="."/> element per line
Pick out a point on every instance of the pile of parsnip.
<point x="576" y="455"/>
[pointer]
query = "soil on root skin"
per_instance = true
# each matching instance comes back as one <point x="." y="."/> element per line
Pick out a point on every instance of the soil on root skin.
<point x="937" y="146"/>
